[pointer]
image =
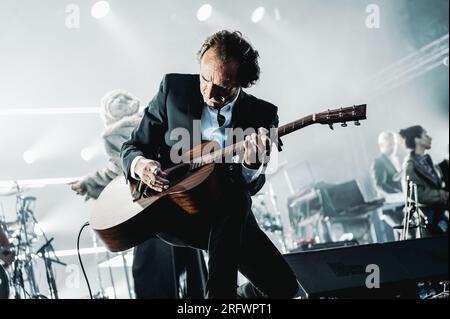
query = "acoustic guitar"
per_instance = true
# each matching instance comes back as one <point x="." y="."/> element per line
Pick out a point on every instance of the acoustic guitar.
<point x="124" y="211"/>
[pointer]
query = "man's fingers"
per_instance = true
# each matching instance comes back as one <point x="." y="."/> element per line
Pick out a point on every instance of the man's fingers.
<point x="267" y="144"/>
<point x="263" y="131"/>
<point x="156" y="178"/>
<point x="155" y="182"/>
<point x="158" y="171"/>
<point x="258" y="147"/>
<point x="151" y="184"/>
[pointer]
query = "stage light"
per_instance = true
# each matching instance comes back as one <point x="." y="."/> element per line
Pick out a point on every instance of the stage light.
<point x="87" y="153"/>
<point x="258" y="14"/>
<point x="49" y="111"/>
<point x="29" y="156"/>
<point x="204" y="12"/>
<point x="37" y="183"/>
<point x="83" y="251"/>
<point x="38" y="229"/>
<point x="100" y="9"/>
<point x="277" y="14"/>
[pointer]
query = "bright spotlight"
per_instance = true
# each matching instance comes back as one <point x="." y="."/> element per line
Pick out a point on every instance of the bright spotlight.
<point x="29" y="156"/>
<point x="87" y="154"/>
<point x="258" y="14"/>
<point x="100" y="9"/>
<point x="38" y="229"/>
<point x="204" y="12"/>
<point x="277" y="14"/>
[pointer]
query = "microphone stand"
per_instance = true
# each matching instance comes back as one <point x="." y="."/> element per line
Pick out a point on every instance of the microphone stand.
<point x="46" y="251"/>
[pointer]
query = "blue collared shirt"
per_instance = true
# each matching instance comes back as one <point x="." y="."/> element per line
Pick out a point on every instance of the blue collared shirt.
<point x="211" y="131"/>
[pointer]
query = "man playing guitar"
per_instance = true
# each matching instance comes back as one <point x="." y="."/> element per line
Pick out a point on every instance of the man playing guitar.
<point x="228" y="230"/>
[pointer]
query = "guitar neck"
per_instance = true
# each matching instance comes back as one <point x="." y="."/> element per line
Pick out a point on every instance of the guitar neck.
<point x="237" y="148"/>
<point x="296" y="125"/>
<point x="341" y="115"/>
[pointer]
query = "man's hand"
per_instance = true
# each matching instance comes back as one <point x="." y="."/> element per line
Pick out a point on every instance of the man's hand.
<point x="257" y="149"/>
<point x="151" y="174"/>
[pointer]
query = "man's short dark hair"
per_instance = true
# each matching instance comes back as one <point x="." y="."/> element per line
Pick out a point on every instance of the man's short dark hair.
<point x="232" y="46"/>
<point x="409" y="134"/>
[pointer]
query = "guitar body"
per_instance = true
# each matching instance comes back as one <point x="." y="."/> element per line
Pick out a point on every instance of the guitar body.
<point x="123" y="222"/>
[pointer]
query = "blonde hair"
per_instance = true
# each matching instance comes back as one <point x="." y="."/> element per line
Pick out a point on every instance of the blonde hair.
<point x="109" y="115"/>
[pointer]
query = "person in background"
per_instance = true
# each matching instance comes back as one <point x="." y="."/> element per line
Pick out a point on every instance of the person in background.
<point x="419" y="168"/>
<point x="386" y="174"/>
<point x="157" y="266"/>
<point x="386" y="169"/>
<point x="444" y="169"/>
<point x="120" y="115"/>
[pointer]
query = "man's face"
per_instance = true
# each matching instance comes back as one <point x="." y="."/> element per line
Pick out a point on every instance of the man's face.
<point x="218" y="81"/>
<point x="424" y="140"/>
<point x="388" y="146"/>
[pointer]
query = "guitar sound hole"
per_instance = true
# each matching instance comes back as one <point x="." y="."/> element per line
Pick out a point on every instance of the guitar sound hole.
<point x="177" y="173"/>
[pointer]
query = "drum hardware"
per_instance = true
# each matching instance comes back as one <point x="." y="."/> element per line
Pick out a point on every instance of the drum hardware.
<point x="48" y="255"/>
<point x="22" y="233"/>
<point x="4" y="284"/>
<point x="414" y="217"/>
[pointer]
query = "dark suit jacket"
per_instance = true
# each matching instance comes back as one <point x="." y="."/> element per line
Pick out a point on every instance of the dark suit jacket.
<point x="430" y="191"/>
<point x="444" y="169"/>
<point x="383" y="172"/>
<point x="177" y="104"/>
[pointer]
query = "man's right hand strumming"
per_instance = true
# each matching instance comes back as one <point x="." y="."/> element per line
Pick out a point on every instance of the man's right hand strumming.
<point x="151" y="174"/>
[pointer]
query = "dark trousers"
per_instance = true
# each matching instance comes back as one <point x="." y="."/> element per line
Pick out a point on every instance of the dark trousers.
<point x="234" y="241"/>
<point x="158" y="266"/>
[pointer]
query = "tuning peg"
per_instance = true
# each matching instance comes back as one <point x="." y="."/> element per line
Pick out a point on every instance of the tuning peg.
<point x="344" y="124"/>
<point x="357" y="123"/>
<point x="331" y="126"/>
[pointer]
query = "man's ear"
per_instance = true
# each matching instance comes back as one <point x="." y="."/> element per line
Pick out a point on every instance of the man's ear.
<point x="416" y="139"/>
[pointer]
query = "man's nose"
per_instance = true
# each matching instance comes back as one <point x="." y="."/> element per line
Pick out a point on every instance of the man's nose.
<point x="210" y="91"/>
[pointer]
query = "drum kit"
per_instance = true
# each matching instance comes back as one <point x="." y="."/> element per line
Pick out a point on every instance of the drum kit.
<point x="18" y="259"/>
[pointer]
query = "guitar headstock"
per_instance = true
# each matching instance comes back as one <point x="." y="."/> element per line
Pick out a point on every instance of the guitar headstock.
<point x="342" y="115"/>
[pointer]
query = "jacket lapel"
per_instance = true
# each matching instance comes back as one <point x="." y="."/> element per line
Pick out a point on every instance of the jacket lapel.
<point x="423" y="172"/>
<point x="239" y="116"/>
<point x="388" y="164"/>
<point x="195" y="109"/>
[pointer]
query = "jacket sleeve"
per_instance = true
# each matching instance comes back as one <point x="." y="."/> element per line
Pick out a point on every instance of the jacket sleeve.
<point x="149" y="135"/>
<point x="426" y="194"/>
<point x="380" y="178"/>
<point x="97" y="181"/>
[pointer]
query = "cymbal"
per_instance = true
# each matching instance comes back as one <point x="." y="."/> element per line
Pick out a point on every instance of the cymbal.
<point x="10" y="226"/>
